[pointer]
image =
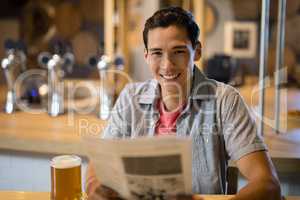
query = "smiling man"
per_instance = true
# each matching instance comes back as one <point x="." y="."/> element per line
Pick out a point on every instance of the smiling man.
<point x="170" y="55"/>
<point x="181" y="101"/>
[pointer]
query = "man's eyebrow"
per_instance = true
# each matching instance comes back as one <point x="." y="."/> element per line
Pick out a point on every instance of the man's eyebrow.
<point x="179" y="47"/>
<point x="155" y="49"/>
<point x="175" y="47"/>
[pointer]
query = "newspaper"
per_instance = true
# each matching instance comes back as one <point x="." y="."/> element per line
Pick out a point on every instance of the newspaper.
<point x="144" y="168"/>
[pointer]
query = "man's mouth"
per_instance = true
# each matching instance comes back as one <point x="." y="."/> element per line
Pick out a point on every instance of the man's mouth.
<point x="170" y="77"/>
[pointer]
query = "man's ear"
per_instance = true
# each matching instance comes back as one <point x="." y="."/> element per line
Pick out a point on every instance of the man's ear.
<point x="198" y="51"/>
<point x="146" y="55"/>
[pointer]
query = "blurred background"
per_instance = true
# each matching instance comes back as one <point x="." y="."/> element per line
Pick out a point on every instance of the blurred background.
<point x="230" y="27"/>
<point x="76" y="42"/>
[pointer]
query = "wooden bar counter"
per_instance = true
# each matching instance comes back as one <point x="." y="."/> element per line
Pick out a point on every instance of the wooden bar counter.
<point x="46" y="196"/>
<point x="41" y="133"/>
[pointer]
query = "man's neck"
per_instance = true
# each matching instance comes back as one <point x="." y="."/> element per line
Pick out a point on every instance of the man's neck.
<point x="173" y="102"/>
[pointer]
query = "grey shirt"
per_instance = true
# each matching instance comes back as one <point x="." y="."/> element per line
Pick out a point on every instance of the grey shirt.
<point x="215" y="117"/>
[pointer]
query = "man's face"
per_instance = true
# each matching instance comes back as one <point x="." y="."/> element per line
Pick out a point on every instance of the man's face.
<point x="171" y="57"/>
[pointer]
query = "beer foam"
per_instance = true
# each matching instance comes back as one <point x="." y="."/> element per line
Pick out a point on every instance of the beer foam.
<point x="65" y="161"/>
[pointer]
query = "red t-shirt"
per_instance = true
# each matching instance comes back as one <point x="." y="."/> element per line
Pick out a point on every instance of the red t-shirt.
<point x="166" y="124"/>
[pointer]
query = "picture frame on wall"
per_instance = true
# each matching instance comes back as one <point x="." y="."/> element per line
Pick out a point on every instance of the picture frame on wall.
<point x="240" y="39"/>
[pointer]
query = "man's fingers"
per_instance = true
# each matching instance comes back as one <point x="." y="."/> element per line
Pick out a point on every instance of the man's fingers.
<point x="107" y="192"/>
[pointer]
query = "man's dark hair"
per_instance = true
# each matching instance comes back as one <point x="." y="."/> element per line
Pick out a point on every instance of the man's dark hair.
<point x="172" y="16"/>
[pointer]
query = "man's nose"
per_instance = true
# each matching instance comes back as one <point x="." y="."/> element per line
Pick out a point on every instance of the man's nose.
<point x="167" y="62"/>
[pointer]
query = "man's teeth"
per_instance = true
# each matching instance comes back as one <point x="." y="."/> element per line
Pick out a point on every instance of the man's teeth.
<point x="169" y="77"/>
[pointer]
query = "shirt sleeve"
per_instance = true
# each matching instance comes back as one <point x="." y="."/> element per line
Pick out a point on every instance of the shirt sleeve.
<point x="118" y="125"/>
<point x="239" y="128"/>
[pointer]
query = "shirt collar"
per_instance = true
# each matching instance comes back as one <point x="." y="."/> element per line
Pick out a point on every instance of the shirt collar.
<point x="202" y="88"/>
<point x="150" y="93"/>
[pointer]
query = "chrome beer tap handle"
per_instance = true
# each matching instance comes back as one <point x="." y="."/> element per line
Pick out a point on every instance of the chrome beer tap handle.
<point x="106" y="99"/>
<point x="13" y="65"/>
<point x="10" y="104"/>
<point x="107" y="94"/>
<point x="55" y="65"/>
<point x="7" y="67"/>
<point x="55" y="86"/>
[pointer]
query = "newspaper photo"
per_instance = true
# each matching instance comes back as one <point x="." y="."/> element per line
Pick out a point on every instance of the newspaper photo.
<point x="144" y="168"/>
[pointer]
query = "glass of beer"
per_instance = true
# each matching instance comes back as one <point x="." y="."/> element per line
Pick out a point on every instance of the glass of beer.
<point x="66" y="178"/>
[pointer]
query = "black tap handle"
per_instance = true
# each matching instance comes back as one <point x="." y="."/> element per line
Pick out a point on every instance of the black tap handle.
<point x="43" y="59"/>
<point x="93" y="60"/>
<point x="119" y="63"/>
<point x="20" y="45"/>
<point x="69" y="59"/>
<point x="9" y="44"/>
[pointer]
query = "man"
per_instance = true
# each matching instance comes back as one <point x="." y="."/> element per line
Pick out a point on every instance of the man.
<point x="180" y="100"/>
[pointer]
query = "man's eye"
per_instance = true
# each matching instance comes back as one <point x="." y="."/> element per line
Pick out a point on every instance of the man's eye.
<point x="156" y="53"/>
<point x="179" y="51"/>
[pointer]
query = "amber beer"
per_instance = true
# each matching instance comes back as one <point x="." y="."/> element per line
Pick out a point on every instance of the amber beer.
<point x="66" y="178"/>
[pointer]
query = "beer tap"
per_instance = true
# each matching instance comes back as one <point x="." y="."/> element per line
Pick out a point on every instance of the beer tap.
<point x="55" y="92"/>
<point x="54" y="64"/>
<point x="104" y="63"/>
<point x="13" y="65"/>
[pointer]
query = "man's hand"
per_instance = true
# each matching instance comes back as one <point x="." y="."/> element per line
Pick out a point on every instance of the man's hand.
<point x="94" y="189"/>
<point x="104" y="193"/>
